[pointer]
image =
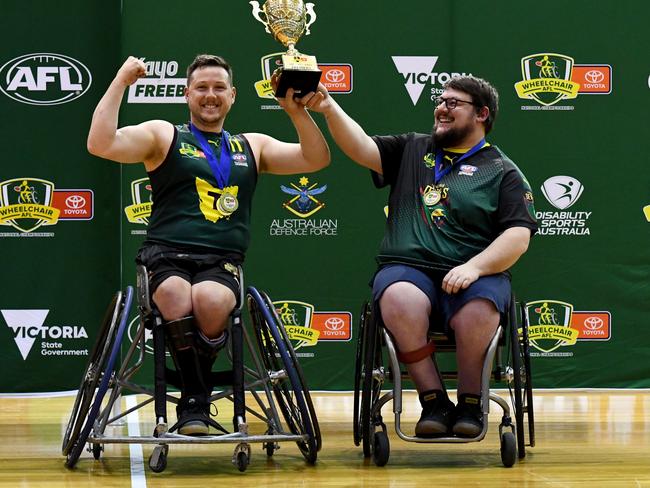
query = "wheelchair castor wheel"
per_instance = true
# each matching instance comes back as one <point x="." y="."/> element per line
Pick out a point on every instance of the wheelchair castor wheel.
<point x="97" y="450"/>
<point x="508" y="449"/>
<point x="242" y="456"/>
<point x="381" y="448"/>
<point x="158" y="458"/>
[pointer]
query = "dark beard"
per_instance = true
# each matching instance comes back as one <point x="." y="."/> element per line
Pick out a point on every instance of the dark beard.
<point x="450" y="138"/>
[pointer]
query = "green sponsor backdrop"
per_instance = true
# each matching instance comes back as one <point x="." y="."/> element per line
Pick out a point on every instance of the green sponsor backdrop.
<point x="586" y="274"/>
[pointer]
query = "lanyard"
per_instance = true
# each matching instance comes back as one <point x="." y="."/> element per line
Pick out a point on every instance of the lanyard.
<point x="221" y="168"/>
<point x="439" y="173"/>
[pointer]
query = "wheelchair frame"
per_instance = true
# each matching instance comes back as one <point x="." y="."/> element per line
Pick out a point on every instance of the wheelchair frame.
<point x="371" y="372"/>
<point x="275" y="381"/>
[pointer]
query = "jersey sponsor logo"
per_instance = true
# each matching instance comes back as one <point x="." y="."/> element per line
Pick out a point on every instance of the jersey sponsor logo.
<point x="159" y="85"/>
<point x="29" y="325"/>
<point x="418" y="72"/>
<point x="139" y="210"/>
<point x="549" y="78"/>
<point x="553" y="324"/>
<point x="467" y="170"/>
<point x="216" y="203"/>
<point x="44" y="79"/>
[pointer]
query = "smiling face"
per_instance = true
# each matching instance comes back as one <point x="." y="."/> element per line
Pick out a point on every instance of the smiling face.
<point x="209" y="96"/>
<point x="460" y="127"/>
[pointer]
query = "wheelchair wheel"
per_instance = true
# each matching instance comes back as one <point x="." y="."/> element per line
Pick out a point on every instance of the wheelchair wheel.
<point x="358" y="368"/>
<point x="371" y="384"/>
<point x="100" y="372"/>
<point x="289" y="388"/>
<point x="92" y="374"/>
<point x="521" y="391"/>
<point x="525" y="349"/>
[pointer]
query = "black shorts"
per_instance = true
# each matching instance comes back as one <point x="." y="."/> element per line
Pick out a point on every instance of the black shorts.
<point x="194" y="267"/>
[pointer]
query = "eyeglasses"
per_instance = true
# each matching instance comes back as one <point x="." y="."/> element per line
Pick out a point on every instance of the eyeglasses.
<point x="451" y="103"/>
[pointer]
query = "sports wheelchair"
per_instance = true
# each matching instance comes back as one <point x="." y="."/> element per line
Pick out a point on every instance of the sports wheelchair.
<point x="374" y="367"/>
<point x="275" y="381"/>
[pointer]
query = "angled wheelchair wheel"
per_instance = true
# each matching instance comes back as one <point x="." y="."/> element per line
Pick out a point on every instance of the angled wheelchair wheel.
<point x="92" y="373"/>
<point x="96" y="379"/>
<point x="521" y="388"/>
<point x="371" y="382"/>
<point x="287" y="381"/>
<point x="358" y="369"/>
<point x="528" y="387"/>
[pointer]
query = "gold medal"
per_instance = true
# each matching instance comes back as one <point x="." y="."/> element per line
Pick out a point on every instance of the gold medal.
<point x="432" y="197"/>
<point x="227" y="203"/>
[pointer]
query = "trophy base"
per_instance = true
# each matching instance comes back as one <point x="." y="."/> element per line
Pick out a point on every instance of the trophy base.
<point x="302" y="81"/>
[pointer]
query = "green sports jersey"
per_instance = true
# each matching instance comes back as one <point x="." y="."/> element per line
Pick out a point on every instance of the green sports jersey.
<point x="189" y="209"/>
<point x="444" y="224"/>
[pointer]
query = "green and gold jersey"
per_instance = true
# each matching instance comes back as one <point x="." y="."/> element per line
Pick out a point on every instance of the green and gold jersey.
<point x="189" y="209"/>
<point x="444" y="224"/>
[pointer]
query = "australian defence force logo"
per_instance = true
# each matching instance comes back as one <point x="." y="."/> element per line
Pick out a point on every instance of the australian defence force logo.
<point x="553" y="324"/>
<point x="303" y="202"/>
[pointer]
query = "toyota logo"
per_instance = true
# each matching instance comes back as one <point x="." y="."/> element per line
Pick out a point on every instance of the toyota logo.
<point x="334" y="75"/>
<point x="594" y="323"/>
<point x="334" y="323"/>
<point x="75" y="201"/>
<point x="594" y="76"/>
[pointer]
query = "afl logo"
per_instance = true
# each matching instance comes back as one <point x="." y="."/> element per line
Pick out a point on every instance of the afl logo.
<point x="44" y="79"/>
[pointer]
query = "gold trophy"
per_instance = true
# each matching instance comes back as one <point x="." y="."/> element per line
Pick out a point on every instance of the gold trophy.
<point x="287" y="21"/>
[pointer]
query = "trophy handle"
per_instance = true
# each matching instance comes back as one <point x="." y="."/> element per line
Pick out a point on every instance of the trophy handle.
<point x="258" y="12"/>
<point x="309" y="7"/>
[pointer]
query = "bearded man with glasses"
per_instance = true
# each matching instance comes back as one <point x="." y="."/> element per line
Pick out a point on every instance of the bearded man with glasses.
<point x="460" y="215"/>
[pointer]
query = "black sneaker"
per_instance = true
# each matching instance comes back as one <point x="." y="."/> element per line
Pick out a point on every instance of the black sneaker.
<point x="193" y="415"/>
<point x="437" y="414"/>
<point x="469" y="416"/>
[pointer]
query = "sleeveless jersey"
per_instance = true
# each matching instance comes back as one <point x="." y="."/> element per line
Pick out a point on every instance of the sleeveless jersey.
<point x="188" y="208"/>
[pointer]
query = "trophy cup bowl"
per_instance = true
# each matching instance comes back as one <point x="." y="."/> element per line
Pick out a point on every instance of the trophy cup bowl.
<point x="287" y="21"/>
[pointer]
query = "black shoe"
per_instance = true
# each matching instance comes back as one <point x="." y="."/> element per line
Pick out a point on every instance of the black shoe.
<point x="437" y="414"/>
<point x="193" y="415"/>
<point x="469" y="416"/>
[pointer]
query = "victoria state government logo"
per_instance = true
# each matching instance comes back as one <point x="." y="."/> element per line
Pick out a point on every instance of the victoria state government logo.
<point x="26" y="204"/>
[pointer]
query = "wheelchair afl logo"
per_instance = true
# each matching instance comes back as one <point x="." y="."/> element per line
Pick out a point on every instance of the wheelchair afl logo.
<point x="549" y="325"/>
<point x="140" y="209"/>
<point x="26" y="204"/>
<point x="296" y="317"/>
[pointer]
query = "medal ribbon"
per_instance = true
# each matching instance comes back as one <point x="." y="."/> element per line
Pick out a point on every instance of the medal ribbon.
<point x="440" y="173"/>
<point x="221" y="168"/>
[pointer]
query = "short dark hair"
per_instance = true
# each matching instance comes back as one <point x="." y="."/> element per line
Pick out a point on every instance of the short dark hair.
<point x="203" y="60"/>
<point x="482" y="92"/>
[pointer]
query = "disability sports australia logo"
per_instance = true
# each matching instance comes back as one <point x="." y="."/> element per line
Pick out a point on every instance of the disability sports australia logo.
<point x="562" y="191"/>
<point x="26" y="204"/>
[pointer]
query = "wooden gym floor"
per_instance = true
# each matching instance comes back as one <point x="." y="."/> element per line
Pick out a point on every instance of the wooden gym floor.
<point x="584" y="439"/>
